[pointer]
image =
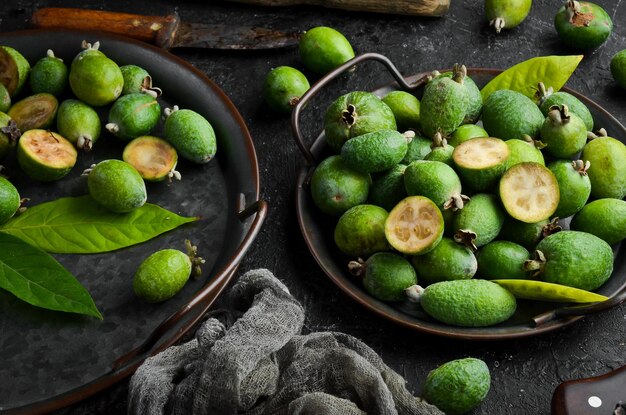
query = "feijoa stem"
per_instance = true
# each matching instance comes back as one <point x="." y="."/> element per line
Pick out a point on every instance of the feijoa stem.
<point x="414" y="293"/>
<point x="551" y="228"/>
<point x="196" y="261"/>
<point x="535" y="265"/>
<point x="349" y="115"/>
<point x="600" y="133"/>
<point x="466" y="237"/>
<point x="357" y="268"/>
<point x="559" y="114"/>
<point x="409" y="135"/>
<point x="498" y="23"/>
<point x="459" y="73"/>
<point x="438" y="141"/>
<point x="147" y="88"/>
<point x="456" y="202"/>
<point x="542" y="93"/>
<point x="581" y="167"/>
<point x="22" y="207"/>
<point x="12" y="131"/>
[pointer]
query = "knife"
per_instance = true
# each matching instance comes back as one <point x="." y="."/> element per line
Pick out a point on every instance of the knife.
<point x="164" y="31"/>
<point x="605" y="394"/>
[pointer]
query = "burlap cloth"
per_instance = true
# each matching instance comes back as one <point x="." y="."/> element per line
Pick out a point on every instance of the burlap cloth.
<point x="253" y="360"/>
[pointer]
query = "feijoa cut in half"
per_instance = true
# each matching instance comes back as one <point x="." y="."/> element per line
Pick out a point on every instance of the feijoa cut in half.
<point x="34" y="112"/>
<point x="45" y="155"/>
<point x="481" y="161"/>
<point x="529" y="192"/>
<point x="154" y="158"/>
<point x="414" y="226"/>
<point x="14" y="70"/>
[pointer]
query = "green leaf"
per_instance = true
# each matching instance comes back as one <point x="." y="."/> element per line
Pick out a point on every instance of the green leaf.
<point x="79" y="225"/>
<point x="35" y="277"/>
<point x="553" y="71"/>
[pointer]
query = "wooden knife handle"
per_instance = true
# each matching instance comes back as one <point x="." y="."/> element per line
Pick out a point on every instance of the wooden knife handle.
<point x="408" y="7"/>
<point x="159" y="30"/>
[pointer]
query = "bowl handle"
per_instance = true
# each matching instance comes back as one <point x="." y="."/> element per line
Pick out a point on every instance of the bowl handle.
<point x="581" y="310"/>
<point x="205" y="297"/>
<point x="295" y="114"/>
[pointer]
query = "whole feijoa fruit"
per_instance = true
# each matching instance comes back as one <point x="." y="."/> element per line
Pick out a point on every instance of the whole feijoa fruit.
<point x="9" y="200"/>
<point x="458" y="386"/>
<point x="353" y="114"/>
<point x="322" y="49"/>
<point x="133" y="115"/>
<point x="618" y="68"/>
<point x="14" y="70"/>
<point x="388" y="188"/>
<point x="49" y="75"/>
<point x="406" y="109"/>
<point x="583" y="25"/>
<point x="45" y="155"/>
<point x="94" y="78"/>
<point x="548" y="98"/>
<point x="521" y="151"/>
<point x="510" y="114"/>
<point x="506" y="14"/>
<point x="137" y="79"/>
<point x="283" y="87"/>
<point x="79" y="123"/>
<point x="360" y="231"/>
<point x="563" y="133"/>
<point x="35" y="111"/>
<point x="191" y="135"/>
<point x="604" y="218"/>
<point x="154" y="158"/>
<point x="574" y="186"/>
<point x="446" y="262"/>
<point x="385" y="275"/>
<point x="418" y="148"/>
<point x="440" y="150"/>
<point x="375" y="152"/>
<point x="436" y="181"/>
<point x="117" y="186"/>
<point x="475" y="99"/>
<point x="502" y="260"/>
<point x="479" y="222"/>
<point x="607" y="171"/>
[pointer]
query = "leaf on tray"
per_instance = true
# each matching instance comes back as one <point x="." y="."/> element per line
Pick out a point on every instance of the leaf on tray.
<point x="79" y="225"/>
<point x="553" y="71"/>
<point x="35" y="277"/>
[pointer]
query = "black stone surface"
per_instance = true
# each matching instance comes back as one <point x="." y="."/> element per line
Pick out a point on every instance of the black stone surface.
<point x="524" y="372"/>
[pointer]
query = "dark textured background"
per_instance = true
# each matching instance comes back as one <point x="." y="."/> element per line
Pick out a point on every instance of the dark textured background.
<point x="524" y="372"/>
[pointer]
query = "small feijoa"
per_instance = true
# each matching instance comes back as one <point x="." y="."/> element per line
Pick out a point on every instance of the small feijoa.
<point x="506" y="14"/>
<point x="283" y="88"/>
<point x="385" y="275"/>
<point x="79" y="123"/>
<point x="618" y="68"/>
<point x="360" y="231"/>
<point x="583" y="25"/>
<point x="191" y="135"/>
<point x="137" y="79"/>
<point x="94" y="78"/>
<point x="322" y="49"/>
<point x="405" y="107"/>
<point x="133" y="115"/>
<point x="116" y="185"/>
<point x="49" y="75"/>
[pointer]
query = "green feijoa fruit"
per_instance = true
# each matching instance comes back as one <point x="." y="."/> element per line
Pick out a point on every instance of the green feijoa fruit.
<point x="481" y="161"/>
<point x="95" y="79"/>
<point x="479" y="222"/>
<point x="414" y="226"/>
<point x="529" y="192"/>
<point x="14" y="70"/>
<point x="44" y="155"/>
<point x="436" y="181"/>
<point x="547" y="99"/>
<point x="546" y="291"/>
<point x="191" y="135"/>
<point x="457" y="386"/>
<point x="506" y="14"/>
<point x="510" y="114"/>
<point x="154" y="158"/>
<point x="5" y="99"/>
<point x="9" y="200"/>
<point x="354" y="114"/>
<point x="583" y="25"/>
<point x="468" y="303"/>
<point x="446" y="262"/>
<point x="502" y="260"/>
<point x="388" y="189"/>
<point x="9" y="134"/>
<point x="604" y="218"/>
<point x="522" y="151"/>
<point x="607" y="171"/>
<point x="618" y="68"/>
<point x="406" y="109"/>
<point x="336" y="188"/>
<point x="133" y="115"/>
<point x="440" y="151"/>
<point x="360" y="231"/>
<point x="49" y="75"/>
<point x="164" y="273"/>
<point x="283" y="88"/>
<point x="466" y="132"/>
<point x="117" y="186"/>
<point x="375" y="152"/>
<point x="417" y="149"/>
<point x="322" y="49"/>
<point x="137" y="79"/>
<point x="563" y="133"/>
<point x="527" y="234"/>
<point x="444" y="104"/>
<point x="34" y="112"/>
<point x="475" y="99"/>
<point x="573" y="258"/>
<point x="79" y="123"/>
<point x="386" y="276"/>
<point x="574" y="186"/>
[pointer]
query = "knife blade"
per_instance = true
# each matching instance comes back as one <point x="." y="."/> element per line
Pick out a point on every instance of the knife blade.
<point x="164" y="31"/>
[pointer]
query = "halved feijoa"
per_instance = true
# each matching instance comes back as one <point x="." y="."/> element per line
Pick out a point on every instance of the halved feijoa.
<point x="154" y="158"/>
<point x="481" y="161"/>
<point x="45" y="155"/>
<point x="529" y="192"/>
<point x="414" y="226"/>
<point x="79" y="123"/>
<point x="14" y="70"/>
<point x="34" y="112"/>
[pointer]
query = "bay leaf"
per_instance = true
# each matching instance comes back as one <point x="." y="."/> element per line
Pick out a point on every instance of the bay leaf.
<point x="35" y="277"/>
<point x="553" y="71"/>
<point x="79" y="225"/>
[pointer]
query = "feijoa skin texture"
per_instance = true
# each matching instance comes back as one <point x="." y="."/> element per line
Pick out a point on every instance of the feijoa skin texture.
<point x="360" y="231"/>
<point x="79" y="123"/>
<point x="574" y="104"/>
<point x="574" y="186"/>
<point x="506" y="14"/>
<point x="322" y="49"/>
<point x="49" y="75"/>
<point x="604" y="218"/>
<point x="432" y="179"/>
<point x="34" y="112"/>
<point x="521" y="151"/>
<point x="283" y="87"/>
<point x="482" y="215"/>
<point x="458" y="386"/>
<point x="117" y="186"/>
<point x="387" y="275"/>
<point x="563" y="133"/>
<point x="374" y="152"/>
<point x="442" y="153"/>
<point x="448" y="261"/>
<point x="354" y="114"/>
<point x="583" y="25"/>
<point x="526" y="234"/>
<point x="95" y="79"/>
<point x="510" y="114"/>
<point x="576" y="259"/>
<point x="466" y="132"/>
<point x="468" y="303"/>
<point x="618" y="68"/>
<point x="475" y="99"/>
<point x="162" y="275"/>
<point x="444" y="105"/>
<point x="133" y="115"/>
<point x="9" y="200"/>
<point x="608" y="167"/>
<point x="134" y="79"/>
<point x="417" y="149"/>
<point x="191" y="135"/>
<point x="388" y="189"/>
<point x="336" y="188"/>
<point x="406" y="109"/>
<point x="502" y="260"/>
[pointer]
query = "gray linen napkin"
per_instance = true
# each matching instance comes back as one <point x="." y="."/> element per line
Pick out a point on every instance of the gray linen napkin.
<point x="261" y="364"/>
